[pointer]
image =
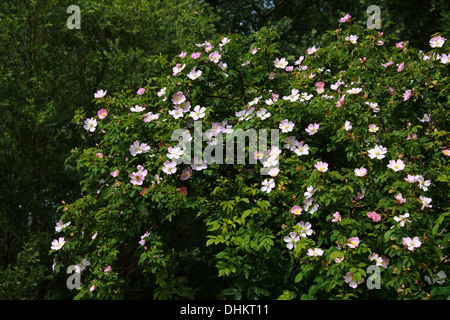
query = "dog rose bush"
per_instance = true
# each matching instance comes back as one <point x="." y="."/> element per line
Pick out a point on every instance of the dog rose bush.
<point x="357" y="179"/>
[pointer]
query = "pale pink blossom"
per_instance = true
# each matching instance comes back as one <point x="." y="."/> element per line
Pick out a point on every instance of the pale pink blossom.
<point x="90" y="124"/>
<point x="268" y="185"/>
<point x="304" y="229"/>
<point x="169" y="167"/>
<point x="178" y="98"/>
<point x="263" y="113"/>
<point x="354" y="90"/>
<point x="273" y="172"/>
<point x="100" y="94"/>
<point x="400" y="67"/>
<point x="215" y="56"/>
<point x="58" y="244"/>
<point x="412" y="243"/>
<point x="402" y="219"/>
<point x="107" y="269"/>
<point x="407" y="95"/>
<point x="361" y="172"/>
<point x="286" y="126"/>
<point x="291" y="240"/>
<point x="296" y="210"/>
<point x="373" y="106"/>
<point x="373" y="128"/>
<point x="352" y="38"/>
<point x="374" y="216"/>
<point x="423" y="184"/>
<point x="136" y="178"/>
<point x="186" y="174"/>
<point x="208" y="47"/>
<point x="140" y="91"/>
<point x="195" y="55"/>
<point x="377" y="152"/>
<point x="162" y="92"/>
<point x="301" y="148"/>
<point x="294" y="96"/>
<point x="353" y="242"/>
<point x="315" y="253"/>
<point x="312" y="49"/>
<point x="115" y="173"/>
<point x="102" y="113"/>
<point x="290" y="143"/>
<point x="194" y="74"/>
<point x="198" y="164"/>
<point x="312" y="128"/>
<point x="380" y="261"/>
<point x="345" y="18"/>
<point x="425" y="202"/>
<point x="138" y="148"/>
<point x="437" y="42"/>
<point x="336" y="217"/>
<point x="399" y="198"/>
<point x="150" y="116"/>
<point x="137" y="108"/>
<point x="198" y="112"/>
<point x="340" y="102"/>
<point x="61" y="225"/>
<point x="178" y="68"/>
<point x="309" y="192"/>
<point x="321" y="166"/>
<point x="396" y="165"/>
<point x="320" y="87"/>
<point x="347" y="125"/>
<point x="351" y="280"/>
<point x="280" y="63"/>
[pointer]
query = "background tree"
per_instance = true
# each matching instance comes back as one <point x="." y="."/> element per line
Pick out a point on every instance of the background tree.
<point x="300" y="23"/>
<point x="47" y="72"/>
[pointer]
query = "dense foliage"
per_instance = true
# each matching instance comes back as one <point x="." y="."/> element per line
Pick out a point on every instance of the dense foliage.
<point x="360" y="177"/>
<point x="47" y="71"/>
